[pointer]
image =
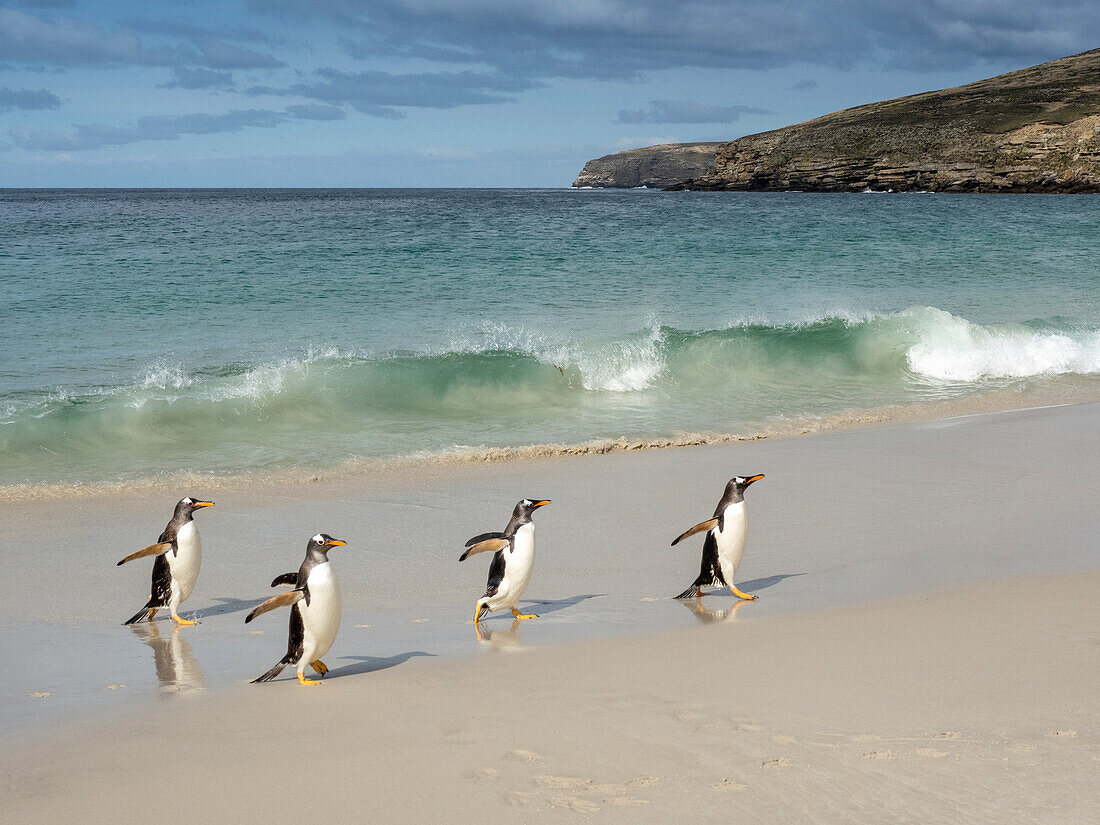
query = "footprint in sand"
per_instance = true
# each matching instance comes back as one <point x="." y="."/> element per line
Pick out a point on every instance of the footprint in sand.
<point x="949" y="735"/>
<point x="485" y="775"/>
<point x="529" y="757"/>
<point x="1068" y="734"/>
<point x="582" y="806"/>
<point x="779" y="762"/>
<point x="879" y="755"/>
<point x="41" y="694"/>
<point x="561" y="781"/>
<point x="931" y="753"/>
<point x="725" y="786"/>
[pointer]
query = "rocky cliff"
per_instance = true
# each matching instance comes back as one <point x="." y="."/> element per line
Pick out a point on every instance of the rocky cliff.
<point x="653" y="166"/>
<point x="1032" y="130"/>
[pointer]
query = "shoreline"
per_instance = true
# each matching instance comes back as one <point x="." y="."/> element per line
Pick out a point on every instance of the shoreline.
<point x="369" y="468"/>
<point x="835" y="523"/>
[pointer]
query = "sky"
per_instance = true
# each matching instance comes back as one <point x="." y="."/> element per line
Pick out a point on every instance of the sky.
<point x="456" y="93"/>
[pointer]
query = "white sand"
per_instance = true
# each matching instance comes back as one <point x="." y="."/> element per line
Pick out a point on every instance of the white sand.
<point x="915" y="655"/>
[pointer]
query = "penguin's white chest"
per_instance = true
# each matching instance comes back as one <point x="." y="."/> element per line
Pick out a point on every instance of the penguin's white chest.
<point x="186" y="561"/>
<point x="519" y="563"/>
<point x="321" y="617"/>
<point x="731" y="539"/>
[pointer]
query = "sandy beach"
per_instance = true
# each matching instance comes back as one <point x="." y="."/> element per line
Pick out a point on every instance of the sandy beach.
<point x="924" y="647"/>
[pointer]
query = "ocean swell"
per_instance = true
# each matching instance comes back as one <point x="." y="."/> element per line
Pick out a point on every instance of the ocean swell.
<point x="505" y="387"/>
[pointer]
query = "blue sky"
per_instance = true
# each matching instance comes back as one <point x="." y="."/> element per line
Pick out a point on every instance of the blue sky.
<point x="452" y="93"/>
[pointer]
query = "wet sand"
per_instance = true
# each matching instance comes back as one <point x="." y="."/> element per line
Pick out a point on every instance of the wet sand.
<point x="924" y="646"/>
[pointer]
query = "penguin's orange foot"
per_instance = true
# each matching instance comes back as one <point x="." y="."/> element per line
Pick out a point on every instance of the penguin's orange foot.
<point x="320" y="667"/>
<point x="152" y="613"/>
<point x="522" y="616"/>
<point x="181" y="621"/>
<point x="302" y="680"/>
<point x="740" y="595"/>
<point x="477" y="612"/>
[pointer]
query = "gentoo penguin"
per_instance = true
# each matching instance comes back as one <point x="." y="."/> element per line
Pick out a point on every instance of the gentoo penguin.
<point x="725" y="541"/>
<point x="314" y="612"/>
<point x="178" y="554"/>
<point x="513" y="560"/>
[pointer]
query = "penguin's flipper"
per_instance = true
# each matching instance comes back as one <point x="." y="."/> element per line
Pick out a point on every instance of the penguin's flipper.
<point x="709" y="524"/>
<point x="158" y="549"/>
<point x="286" y="578"/>
<point x="281" y="600"/>
<point x="482" y="537"/>
<point x="486" y="546"/>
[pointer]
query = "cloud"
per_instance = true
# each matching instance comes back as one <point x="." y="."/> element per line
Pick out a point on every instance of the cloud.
<point x="90" y="136"/>
<point x="622" y="38"/>
<point x="193" y="78"/>
<point x="27" y="99"/>
<point x="316" y="111"/>
<point x="804" y="85"/>
<point x="67" y="41"/>
<point x="381" y="93"/>
<point x="687" y="111"/>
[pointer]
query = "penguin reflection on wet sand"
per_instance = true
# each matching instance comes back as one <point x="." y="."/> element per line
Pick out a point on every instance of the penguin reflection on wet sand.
<point x="724" y="544"/>
<point x="513" y="560"/>
<point x="178" y="554"/>
<point x="315" y="609"/>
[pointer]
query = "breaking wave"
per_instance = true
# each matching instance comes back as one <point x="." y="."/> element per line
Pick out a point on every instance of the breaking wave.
<point x="510" y="387"/>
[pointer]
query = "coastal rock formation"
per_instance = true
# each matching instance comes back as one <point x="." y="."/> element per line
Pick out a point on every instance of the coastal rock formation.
<point x="1032" y="130"/>
<point x="654" y="166"/>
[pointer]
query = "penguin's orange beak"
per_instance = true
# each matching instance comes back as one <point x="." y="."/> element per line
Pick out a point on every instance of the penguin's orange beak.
<point x="335" y="543"/>
<point x="203" y="504"/>
<point x="751" y="479"/>
<point x="541" y="503"/>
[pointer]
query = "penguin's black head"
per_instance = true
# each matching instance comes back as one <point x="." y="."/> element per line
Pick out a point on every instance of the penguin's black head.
<point x="735" y="488"/>
<point x="323" y="542"/>
<point x="187" y="506"/>
<point x="525" y="508"/>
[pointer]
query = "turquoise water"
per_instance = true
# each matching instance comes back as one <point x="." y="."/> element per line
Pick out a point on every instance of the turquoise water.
<point x="152" y="332"/>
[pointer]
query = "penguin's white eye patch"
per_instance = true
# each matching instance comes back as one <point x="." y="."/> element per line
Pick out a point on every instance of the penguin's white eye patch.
<point x="188" y="501"/>
<point x="319" y="539"/>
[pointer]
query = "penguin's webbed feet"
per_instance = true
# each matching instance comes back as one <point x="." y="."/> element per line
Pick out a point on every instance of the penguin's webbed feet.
<point x="521" y="616"/>
<point x="302" y="680"/>
<point x="182" y="621"/>
<point x="746" y="596"/>
<point x="320" y="667"/>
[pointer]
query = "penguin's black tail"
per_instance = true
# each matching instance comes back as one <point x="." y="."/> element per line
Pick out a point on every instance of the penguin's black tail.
<point x="275" y="671"/>
<point x="692" y="592"/>
<point x="142" y="615"/>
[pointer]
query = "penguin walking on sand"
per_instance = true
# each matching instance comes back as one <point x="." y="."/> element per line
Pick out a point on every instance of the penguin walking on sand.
<point x="315" y="609"/>
<point x="178" y="554"/>
<point x="724" y="544"/>
<point x="513" y="560"/>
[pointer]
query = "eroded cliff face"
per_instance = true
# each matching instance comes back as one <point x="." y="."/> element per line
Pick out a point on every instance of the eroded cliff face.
<point x="1033" y="130"/>
<point x="653" y="166"/>
<point x="1039" y="157"/>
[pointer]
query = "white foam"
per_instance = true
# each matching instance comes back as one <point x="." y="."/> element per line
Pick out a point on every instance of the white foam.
<point x="950" y="348"/>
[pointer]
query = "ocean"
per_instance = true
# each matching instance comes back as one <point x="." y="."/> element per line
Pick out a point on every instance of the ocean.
<point x="152" y="333"/>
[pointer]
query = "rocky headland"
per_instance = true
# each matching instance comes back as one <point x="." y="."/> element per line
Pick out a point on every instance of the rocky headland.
<point x="654" y="167"/>
<point x="1032" y="130"/>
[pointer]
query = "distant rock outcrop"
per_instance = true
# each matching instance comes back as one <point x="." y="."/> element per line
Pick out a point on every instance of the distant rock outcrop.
<point x="654" y="167"/>
<point x="1032" y="130"/>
